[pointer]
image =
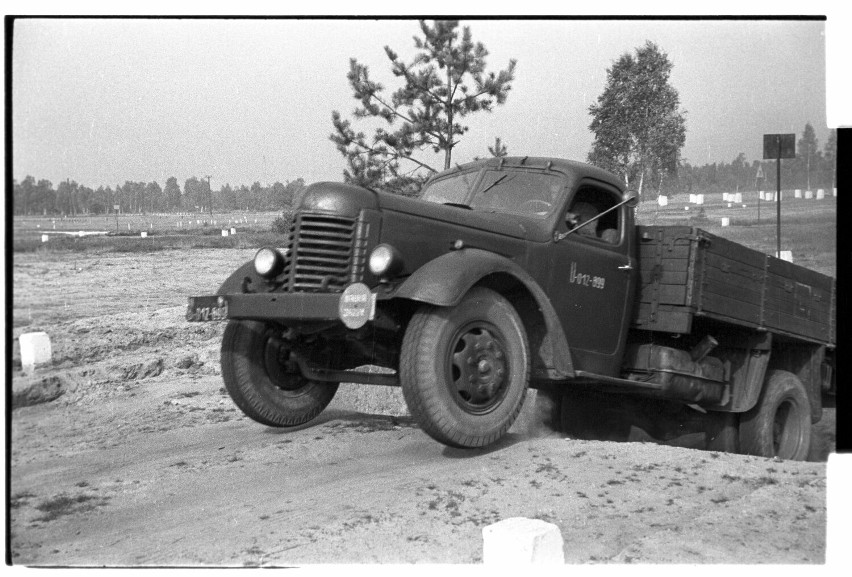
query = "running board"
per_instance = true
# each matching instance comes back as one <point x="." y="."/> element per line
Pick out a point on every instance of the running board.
<point x="585" y="377"/>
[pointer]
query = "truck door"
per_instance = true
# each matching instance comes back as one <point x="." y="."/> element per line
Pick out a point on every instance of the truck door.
<point x="594" y="276"/>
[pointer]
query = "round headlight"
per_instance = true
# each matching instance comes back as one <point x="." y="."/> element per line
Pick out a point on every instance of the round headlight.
<point x="268" y="262"/>
<point x="384" y="260"/>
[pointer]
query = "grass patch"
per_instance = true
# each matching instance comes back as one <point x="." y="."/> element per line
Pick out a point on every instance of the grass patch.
<point x="153" y="243"/>
<point x="63" y="504"/>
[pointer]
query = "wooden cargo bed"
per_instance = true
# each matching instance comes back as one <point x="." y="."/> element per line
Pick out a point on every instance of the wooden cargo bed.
<point x="687" y="272"/>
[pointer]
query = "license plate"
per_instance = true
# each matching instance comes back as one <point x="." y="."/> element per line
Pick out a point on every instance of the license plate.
<point x="211" y="308"/>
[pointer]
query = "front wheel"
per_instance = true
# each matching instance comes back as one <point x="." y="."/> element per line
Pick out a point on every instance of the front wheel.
<point x="465" y="369"/>
<point x="261" y="380"/>
<point x="780" y="424"/>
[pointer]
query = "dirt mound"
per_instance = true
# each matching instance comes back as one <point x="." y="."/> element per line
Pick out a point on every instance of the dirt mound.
<point x="44" y="390"/>
<point x="139" y="371"/>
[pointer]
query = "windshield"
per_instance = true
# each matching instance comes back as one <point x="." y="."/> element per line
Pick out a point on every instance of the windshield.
<point x="528" y="193"/>
<point x="453" y="190"/>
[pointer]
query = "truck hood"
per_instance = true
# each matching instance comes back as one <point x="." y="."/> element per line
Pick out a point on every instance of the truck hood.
<point x="509" y="225"/>
<point x="348" y="200"/>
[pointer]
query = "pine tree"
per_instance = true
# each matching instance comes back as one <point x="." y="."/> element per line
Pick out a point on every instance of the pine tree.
<point x="444" y="83"/>
<point x="499" y="149"/>
<point x="807" y="148"/>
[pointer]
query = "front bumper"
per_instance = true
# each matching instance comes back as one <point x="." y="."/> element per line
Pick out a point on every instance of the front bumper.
<point x="265" y="306"/>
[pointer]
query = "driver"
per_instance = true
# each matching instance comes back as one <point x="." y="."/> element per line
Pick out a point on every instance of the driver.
<point x="582" y="212"/>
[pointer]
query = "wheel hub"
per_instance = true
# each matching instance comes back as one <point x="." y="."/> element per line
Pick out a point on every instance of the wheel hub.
<point x="479" y="368"/>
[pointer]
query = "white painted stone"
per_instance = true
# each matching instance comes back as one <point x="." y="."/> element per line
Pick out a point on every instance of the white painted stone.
<point x="787" y="255"/>
<point x="692" y="198"/>
<point x="699" y="199"/>
<point x="738" y="198"/>
<point x="519" y="540"/>
<point x="726" y="221"/>
<point x="760" y="195"/>
<point x="44" y="238"/>
<point x="233" y="231"/>
<point x="224" y="232"/>
<point x="35" y="350"/>
<point x="835" y="192"/>
<point x="143" y="234"/>
<point x="809" y="195"/>
<point x="725" y="196"/>
<point x="820" y="194"/>
<point x="729" y="205"/>
<point x="662" y="200"/>
<point x="797" y="193"/>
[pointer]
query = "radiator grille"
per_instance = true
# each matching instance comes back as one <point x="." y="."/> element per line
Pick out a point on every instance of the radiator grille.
<point x="322" y="253"/>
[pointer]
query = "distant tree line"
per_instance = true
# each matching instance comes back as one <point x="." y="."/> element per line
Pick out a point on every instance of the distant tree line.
<point x="813" y="168"/>
<point x="40" y="197"/>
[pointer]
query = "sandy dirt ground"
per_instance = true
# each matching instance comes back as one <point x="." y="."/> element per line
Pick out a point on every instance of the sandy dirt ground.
<point x="139" y="457"/>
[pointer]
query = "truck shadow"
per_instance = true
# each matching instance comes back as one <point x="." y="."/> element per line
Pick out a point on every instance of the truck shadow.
<point x="593" y="418"/>
<point x="343" y="419"/>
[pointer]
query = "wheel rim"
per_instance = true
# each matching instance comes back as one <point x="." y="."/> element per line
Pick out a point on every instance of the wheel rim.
<point x="787" y="429"/>
<point x="478" y="368"/>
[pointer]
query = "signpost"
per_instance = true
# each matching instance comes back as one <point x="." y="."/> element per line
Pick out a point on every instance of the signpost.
<point x="758" y="182"/>
<point x="778" y="146"/>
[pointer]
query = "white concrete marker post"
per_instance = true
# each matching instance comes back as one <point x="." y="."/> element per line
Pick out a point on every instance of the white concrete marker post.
<point x="797" y="193"/>
<point x="519" y="540"/>
<point x="35" y="350"/>
<point x="143" y="234"/>
<point x="726" y="221"/>
<point x="820" y="194"/>
<point x="809" y="195"/>
<point x="44" y="238"/>
<point x="224" y="232"/>
<point x="787" y="255"/>
<point x="233" y="231"/>
<point x="663" y="200"/>
<point x="738" y="198"/>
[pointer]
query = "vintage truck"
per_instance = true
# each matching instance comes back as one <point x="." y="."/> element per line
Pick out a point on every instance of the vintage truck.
<point x="512" y="273"/>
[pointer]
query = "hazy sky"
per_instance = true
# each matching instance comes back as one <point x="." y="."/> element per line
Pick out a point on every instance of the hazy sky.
<point x="104" y="101"/>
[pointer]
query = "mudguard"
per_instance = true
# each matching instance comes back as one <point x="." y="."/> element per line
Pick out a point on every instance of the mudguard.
<point x="234" y="283"/>
<point x="446" y="279"/>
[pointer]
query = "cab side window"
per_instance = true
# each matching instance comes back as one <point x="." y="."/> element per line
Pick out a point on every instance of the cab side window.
<point x="587" y="206"/>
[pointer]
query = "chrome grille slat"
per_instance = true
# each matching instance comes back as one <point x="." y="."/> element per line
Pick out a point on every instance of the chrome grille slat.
<point x="322" y="253"/>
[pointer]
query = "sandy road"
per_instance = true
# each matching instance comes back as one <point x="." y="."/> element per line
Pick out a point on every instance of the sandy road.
<point x="356" y="488"/>
<point x="143" y="459"/>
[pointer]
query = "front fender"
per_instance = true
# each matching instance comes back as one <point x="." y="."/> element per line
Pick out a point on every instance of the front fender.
<point x="234" y="283"/>
<point x="446" y="279"/>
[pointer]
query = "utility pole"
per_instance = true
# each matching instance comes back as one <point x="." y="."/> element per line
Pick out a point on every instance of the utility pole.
<point x="210" y="196"/>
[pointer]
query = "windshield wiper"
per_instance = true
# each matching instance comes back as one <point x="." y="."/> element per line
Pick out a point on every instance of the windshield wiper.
<point x="493" y="184"/>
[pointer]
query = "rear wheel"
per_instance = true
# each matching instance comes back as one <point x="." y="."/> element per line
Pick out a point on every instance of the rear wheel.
<point x="780" y="424"/>
<point x="262" y="381"/>
<point x="465" y="369"/>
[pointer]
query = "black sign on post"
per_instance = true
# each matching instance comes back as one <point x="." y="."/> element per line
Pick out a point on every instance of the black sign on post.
<point x="778" y="146"/>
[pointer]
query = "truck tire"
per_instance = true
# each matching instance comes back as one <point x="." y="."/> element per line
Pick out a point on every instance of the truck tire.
<point x="780" y="424"/>
<point x="259" y="382"/>
<point x="465" y="369"/>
